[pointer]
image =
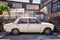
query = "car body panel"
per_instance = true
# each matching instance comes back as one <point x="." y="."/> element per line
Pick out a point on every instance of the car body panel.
<point x="28" y="27"/>
<point x="34" y="28"/>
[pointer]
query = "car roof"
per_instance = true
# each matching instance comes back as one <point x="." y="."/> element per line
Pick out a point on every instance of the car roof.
<point x="28" y="17"/>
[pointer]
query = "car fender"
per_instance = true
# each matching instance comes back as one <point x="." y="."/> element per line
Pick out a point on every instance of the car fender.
<point x="43" y="26"/>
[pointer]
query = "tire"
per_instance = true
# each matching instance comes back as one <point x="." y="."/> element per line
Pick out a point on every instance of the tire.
<point x="47" y="31"/>
<point x="15" y="32"/>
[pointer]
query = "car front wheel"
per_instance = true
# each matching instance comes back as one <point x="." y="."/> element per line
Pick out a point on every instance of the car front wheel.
<point x="47" y="31"/>
<point x="15" y="31"/>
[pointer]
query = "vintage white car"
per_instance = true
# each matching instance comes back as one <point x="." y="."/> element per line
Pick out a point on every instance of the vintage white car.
<point x="29" y="25"/>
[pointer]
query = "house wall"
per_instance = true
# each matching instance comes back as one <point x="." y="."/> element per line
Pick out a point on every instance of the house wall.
<point x="48" y="4"/>
<point x="32" y="7"/>
<point x="17" y="5"/>
<point x="29" y="8"/>
<point x="45" y="2"/>
<point x="53" y="8"/>
<point x="3" y="3"/>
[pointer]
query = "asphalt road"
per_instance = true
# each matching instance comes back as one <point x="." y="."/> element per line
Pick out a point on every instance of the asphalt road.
<point x="32" y="36"/>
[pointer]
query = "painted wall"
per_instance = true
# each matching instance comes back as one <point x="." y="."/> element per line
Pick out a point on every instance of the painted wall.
<point x="3" y="3"/>
<point x="45" y="3"/>
<point x="33" y="7"/>
<point x="17" y="5"/>
<point x="29" y="9"/>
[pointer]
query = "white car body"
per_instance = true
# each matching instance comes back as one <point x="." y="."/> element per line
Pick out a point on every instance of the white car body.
<point x="28" y="27"/>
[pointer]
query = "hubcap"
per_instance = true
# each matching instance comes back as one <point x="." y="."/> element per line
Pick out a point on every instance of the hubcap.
<point x="47" y="31"/>
<point x="15" y="32"/>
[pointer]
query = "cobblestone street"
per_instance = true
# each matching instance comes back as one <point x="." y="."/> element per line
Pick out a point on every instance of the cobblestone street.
<point x="25" y="36"/>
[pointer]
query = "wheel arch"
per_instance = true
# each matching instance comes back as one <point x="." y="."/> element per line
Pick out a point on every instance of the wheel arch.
<point x="15" y="28"/>
<point x="47" y="28"/>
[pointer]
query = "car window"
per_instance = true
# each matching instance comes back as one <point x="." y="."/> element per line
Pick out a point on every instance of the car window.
<point x="34" y="21"/>
<point x="23" y="20"/>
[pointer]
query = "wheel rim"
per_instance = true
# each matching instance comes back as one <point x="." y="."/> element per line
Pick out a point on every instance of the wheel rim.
<point x="15" y="32"/>
<point x="47" y="31"/>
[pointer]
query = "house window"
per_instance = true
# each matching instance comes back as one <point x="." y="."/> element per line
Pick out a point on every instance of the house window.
<point x="56" y="6"/>
<point x="24" y="6"/>
<point x="42" y="1"/>
<point x="10" y="5"/>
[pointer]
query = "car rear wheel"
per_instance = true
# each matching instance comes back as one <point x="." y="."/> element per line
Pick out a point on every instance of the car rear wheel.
<point x="15" y="31"/>
<point x="47" y="31"/>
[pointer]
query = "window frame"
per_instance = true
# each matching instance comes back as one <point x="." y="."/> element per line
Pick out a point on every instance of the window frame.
<point x="23" y="23"/>
<point x="35" y="22"/>
<point x="54" y="7"/>
<point x="10" y="4"/>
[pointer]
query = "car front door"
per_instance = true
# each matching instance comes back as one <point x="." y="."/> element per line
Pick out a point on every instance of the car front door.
<point x="34" y="25"/>
<point x="23" y="25"/>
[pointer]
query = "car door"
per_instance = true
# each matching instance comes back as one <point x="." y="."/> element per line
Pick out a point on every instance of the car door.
<point x="23" y="25"/>
<point x="34" y="25"/>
